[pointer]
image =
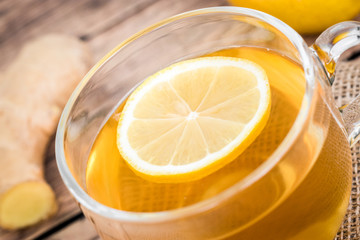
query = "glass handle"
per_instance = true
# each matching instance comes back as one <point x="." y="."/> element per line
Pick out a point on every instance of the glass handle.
<point x="329" y="46"/>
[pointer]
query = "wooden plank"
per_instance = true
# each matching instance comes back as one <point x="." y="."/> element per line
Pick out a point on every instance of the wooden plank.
<point x="39" y="23"/>
<point x="101" y="44"/>
<point x="81" y="229"/>
<point x="22" y="20"/>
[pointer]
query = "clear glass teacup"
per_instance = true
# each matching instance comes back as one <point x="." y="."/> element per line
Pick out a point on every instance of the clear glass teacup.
<point x="299" y="184"/>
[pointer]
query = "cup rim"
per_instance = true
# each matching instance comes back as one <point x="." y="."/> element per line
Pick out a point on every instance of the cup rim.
<point x="86" y="201"/>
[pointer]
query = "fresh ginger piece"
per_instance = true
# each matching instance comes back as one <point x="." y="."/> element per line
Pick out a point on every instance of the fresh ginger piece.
<point x="26" y="204"/>
<point x="33" y="91"/>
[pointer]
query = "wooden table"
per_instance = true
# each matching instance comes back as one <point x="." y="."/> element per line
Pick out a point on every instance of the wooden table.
<point x="102" y="24"/>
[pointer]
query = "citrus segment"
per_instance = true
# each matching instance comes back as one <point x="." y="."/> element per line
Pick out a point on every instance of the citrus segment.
<point x="192" y="118"/>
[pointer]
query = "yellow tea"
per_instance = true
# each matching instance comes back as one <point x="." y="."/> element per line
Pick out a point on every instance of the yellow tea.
<point x="111" y="182"/>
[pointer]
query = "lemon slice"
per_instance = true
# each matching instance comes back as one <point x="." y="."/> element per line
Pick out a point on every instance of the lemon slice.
<point x="193" y="117"/>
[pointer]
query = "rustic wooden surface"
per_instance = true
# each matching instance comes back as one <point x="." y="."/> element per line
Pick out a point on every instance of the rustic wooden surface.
<point x="102" y="24"/>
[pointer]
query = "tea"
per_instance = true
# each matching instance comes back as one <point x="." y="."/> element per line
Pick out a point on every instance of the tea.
<point x="111" y="182"/>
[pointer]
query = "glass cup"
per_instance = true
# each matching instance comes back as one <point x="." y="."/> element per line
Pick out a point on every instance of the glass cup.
<point x="300" y="192"/>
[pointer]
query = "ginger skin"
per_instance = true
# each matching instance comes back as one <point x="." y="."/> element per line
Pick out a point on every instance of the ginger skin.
<point x="33" y="91"/>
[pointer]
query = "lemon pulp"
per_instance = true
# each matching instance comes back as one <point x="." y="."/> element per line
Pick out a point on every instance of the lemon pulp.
<point x="192" y="118"/>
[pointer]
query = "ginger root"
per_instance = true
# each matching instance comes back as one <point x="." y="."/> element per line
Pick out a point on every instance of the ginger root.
<point x="33" y="91"/>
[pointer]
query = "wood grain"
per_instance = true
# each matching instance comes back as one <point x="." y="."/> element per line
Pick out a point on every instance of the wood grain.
<point x="82" y="229"/>
<point x="103" y="24"/>
<point x="22" y="20"/>
<point x="162" y="9"/>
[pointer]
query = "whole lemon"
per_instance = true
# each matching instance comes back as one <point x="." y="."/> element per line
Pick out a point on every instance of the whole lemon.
<point x="306" y="16"/>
